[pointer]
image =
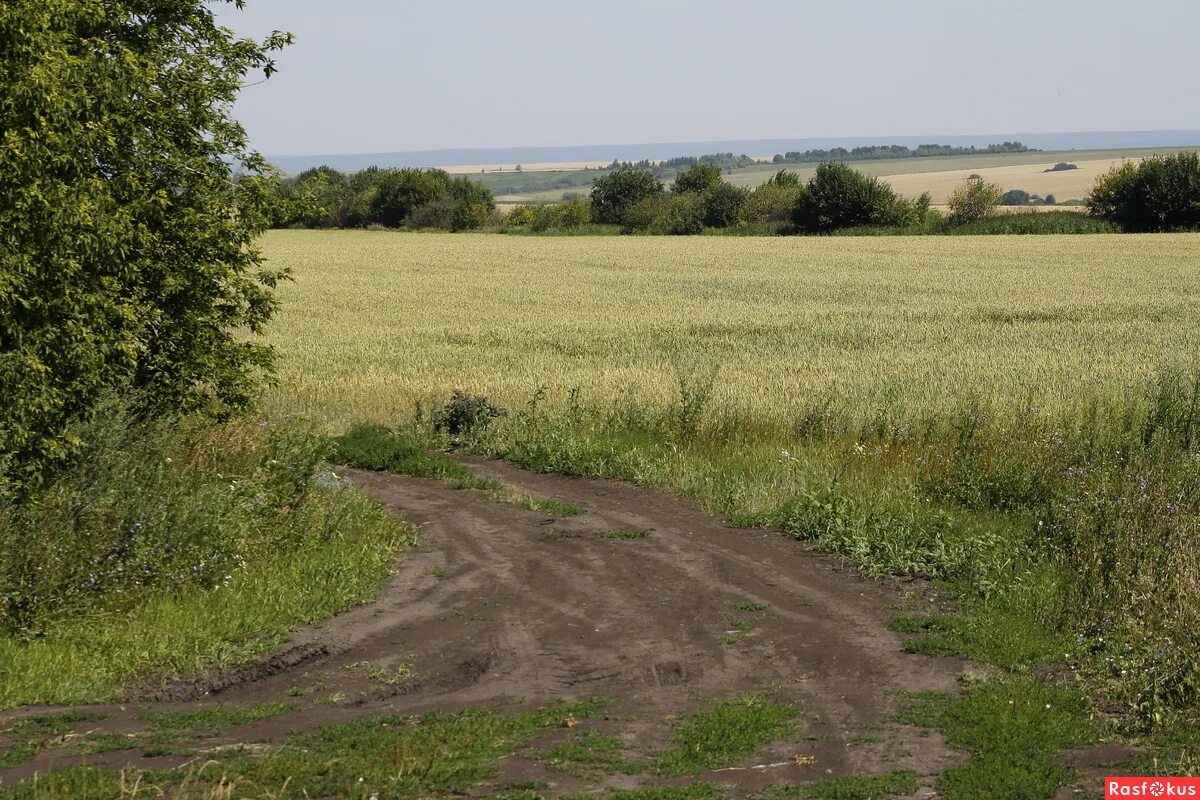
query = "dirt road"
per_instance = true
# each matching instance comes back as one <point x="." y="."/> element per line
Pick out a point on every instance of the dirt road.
<point x="503" y="605"/>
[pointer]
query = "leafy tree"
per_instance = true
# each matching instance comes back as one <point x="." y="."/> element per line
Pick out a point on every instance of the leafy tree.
<point x="1015" y="197"/>
<point x="771" y="202"/>
<point x="613" y="194"/>
<point x="974" y="200"/>
<point x="519" y="217"/>
<point x="400" y="192"/>
<point x="127" y="257"/>
<point x="1162" y="193"/>
<point x="680" y="215"/>
<point x="840" y="197"/>
<point x="723" y="205"/>
<point x="785" y="178"/>
<point x="698" y="178"/>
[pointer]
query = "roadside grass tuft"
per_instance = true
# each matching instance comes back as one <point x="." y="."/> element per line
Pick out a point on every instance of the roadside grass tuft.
<point x="552" y="507"/>
<point x="27" y="737"/>
<point x="590" y="752"/>
<point x="387" y="756"/>
<point x="170" y="551"/>
<point x="211" y="721"/>
<point x="377" y="447"/>
<point x="626" y="534"/>
<point x="849" y="787"/>
<point x="1013" y="728"/>
<point x="721" y="735"/>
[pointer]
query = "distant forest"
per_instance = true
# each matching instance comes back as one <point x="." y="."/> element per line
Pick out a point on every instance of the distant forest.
<point x="528" y="183"/>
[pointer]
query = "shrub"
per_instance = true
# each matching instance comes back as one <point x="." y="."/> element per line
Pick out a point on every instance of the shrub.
<point x="466" y="414"/>
<point x="1061" y="166"/>
<point x="566" y="215"/>
<point x="1162" y="193"/>
<point x="152" y="508"/>
<point x="785" y="178"/>
<point x="1015" y="197"/>
<point x="723" y="205"/>
<point x="697" y="178"/>
<point x="615" y="193"/>
<point x="646" y="214"/>
<point x="840" y="197"/>
<point x="573" y="213"/>
<point x="973" y="201"/>
<point x="128" y="256"/>
<point x="519" y="217"/>
<point x="682" y="215"/>
<point x="1033" y="222"/>
<point x="771" y="202"/>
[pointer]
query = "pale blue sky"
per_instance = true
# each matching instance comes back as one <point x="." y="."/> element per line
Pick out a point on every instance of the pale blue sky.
<point x="388" y="75"/>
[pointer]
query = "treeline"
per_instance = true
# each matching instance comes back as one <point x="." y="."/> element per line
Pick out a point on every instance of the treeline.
<point x="1157" y="195"/>
<point x="876" y="152"/>
<point x="391" y="198"/>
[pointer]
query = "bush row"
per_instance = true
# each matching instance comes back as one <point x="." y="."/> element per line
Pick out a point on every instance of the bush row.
<point x="391" y="198"/>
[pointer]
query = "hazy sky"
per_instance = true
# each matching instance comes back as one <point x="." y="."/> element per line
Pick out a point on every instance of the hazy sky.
<point x="389" y="75"/>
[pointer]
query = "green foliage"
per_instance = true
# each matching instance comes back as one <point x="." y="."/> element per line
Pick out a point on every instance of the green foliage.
<point x="466" y="414"/>
<point x="723" y="205"/>
<point x="567" y="215"/>
<point x="380" y="448"/>
<point x="840" y="197"/>
<point x="848" y="787"/>
<point x="213" y="720"/>
<point x="1014" y="729"/>
<point x="698" y="178"/>
<point x="127" y="255"/>
<point x="590" y="752"/>
<point x="1162" y="193"/>
<point x="146" y="510"/>
<point x="618" y="191"/>
<point x="974" y="200"/>
<point x="520" y="216"/>
<point x="174" y="546"/>
<point x="773" y="201"/>
<point x="1015" y="197"/>
<point x="719" y="736"/>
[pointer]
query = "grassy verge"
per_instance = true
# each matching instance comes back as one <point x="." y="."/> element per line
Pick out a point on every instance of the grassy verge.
<point x="172" y="551"/>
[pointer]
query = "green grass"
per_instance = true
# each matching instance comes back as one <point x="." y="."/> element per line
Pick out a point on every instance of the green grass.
<point x="552" y="507"/>
<point x="750" y="607"/>
<point x="720" y="736"/>
<point x="212" y="721"/>
<point x="389" y="756"/>
<point x="1014" y="730"/>
<point x="376" y="447"/>
<point x="27" y="737"/>
<point x="849" y="787"/>
<point x="169" y="552"/>
<point x="590" y="752"/>
<point x="626" y="534"/>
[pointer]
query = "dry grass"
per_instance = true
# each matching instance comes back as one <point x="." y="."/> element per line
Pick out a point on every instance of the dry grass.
<point x="1065" y="185"/>
<point x="376" y="322"/>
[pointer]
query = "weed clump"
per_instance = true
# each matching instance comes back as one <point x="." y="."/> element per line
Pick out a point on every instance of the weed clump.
<point x="466" y="415"/>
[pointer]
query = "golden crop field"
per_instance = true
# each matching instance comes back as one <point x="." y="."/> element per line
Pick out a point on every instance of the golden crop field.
<point x="378" y="321"/>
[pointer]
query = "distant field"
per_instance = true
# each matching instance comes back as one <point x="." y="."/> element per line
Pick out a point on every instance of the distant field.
<point x="376" y="322"/>
<point x="945" y="172"/>
<point x="548" y="166"/>
<point x="1066" y="185"/>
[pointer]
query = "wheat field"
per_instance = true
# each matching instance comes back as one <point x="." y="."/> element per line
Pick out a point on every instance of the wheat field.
<point x="377" y="322"/>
